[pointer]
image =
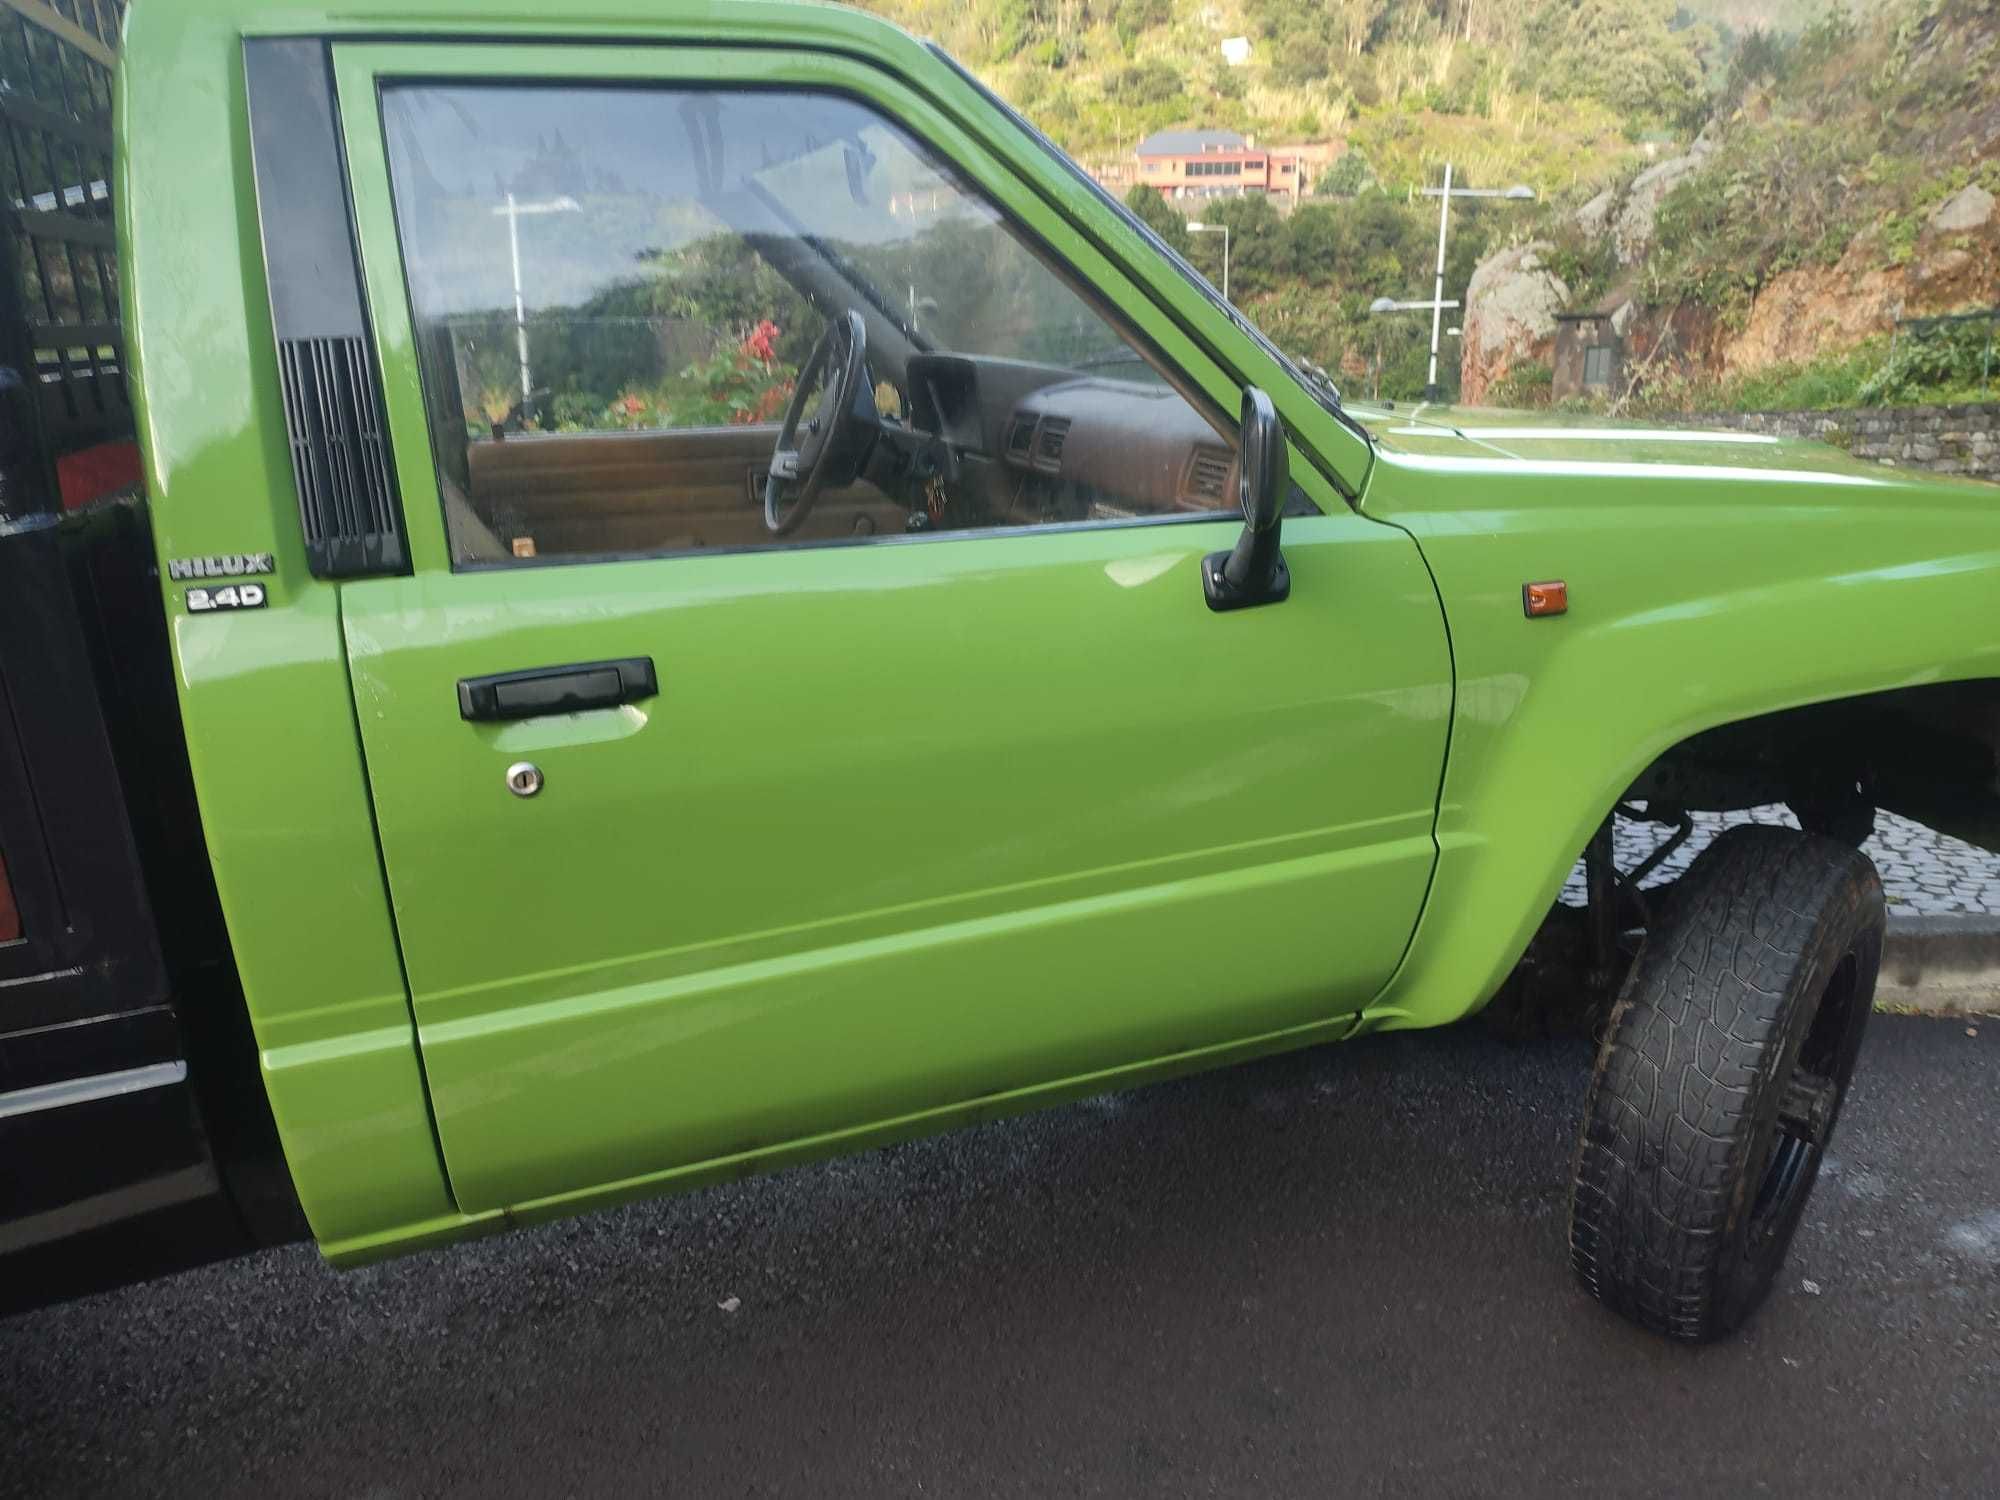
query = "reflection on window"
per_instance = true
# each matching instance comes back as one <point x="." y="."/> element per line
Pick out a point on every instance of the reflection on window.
<point x="660" y="263"/>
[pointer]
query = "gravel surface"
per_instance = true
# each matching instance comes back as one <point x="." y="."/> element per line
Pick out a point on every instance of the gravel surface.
<point x="1924" y="873"/>
<point x="1337" y="1272"/>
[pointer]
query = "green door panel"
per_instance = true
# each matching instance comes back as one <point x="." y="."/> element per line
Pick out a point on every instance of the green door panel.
<point x="906" y="825"/>
<point x="909" y="824"/>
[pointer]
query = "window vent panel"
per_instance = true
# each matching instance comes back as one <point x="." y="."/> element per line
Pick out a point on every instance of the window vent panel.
<point x="348" y="509"/>
<point x="347" y="499"/>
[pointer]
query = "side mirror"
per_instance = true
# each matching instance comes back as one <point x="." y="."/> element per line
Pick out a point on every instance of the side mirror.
<point x="1254" y="572"/>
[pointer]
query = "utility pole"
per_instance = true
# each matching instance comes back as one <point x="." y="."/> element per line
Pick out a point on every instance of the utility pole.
<point x="1431" y="391"/>
<point x="1444" y="195"/>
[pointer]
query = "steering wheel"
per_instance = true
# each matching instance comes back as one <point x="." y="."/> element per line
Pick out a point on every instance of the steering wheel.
<point x="835" y="367"/>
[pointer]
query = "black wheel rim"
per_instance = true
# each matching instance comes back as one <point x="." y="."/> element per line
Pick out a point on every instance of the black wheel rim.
<point x="1809" y="1101"/>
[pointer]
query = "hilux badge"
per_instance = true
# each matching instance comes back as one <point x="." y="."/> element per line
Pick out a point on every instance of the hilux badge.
<point x="222" y="565"/>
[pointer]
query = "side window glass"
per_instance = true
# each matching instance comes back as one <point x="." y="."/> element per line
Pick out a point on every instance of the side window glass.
<point x="655" y="319"/>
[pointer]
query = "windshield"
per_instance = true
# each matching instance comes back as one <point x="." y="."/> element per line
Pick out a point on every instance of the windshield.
<point x="943" y="267"/>
<point x="1319" y="387"/>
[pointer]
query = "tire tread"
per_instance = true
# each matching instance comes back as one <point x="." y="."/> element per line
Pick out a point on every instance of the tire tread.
<point x="1689" y="1050"/>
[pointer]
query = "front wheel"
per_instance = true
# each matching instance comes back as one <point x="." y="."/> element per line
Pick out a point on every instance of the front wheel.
<point x="1722" y="1072"/>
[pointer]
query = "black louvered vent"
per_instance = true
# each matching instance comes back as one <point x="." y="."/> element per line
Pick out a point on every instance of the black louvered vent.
<point x="347" y="498"/>
<point x="348" y="508"/>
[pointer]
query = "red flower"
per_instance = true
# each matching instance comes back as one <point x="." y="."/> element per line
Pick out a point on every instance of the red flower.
<point x="633" y="405"/>
<point x="767" y="406"/>
<point x="762" y="344"/>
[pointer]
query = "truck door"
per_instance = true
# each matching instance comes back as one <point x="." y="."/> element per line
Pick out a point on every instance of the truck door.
<point x="707" y="839"/>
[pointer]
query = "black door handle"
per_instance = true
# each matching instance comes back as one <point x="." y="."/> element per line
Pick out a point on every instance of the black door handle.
<point x="557" y="690"/>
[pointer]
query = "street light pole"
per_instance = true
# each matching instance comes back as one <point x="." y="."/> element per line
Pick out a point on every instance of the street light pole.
<point x="1444" y="195"/>
<point x="1223" y="230"/>
<point x="513" y="211"/>
<point x="1431" y="391"/>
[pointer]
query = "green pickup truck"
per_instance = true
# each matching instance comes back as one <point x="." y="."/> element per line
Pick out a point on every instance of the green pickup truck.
<point x="706" y="599"/>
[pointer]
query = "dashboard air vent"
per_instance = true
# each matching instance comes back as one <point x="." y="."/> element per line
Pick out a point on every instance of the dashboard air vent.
<point x="1021" y="437"/>
<point x="1048" y="452"/>
<point x="1208" y="475"/>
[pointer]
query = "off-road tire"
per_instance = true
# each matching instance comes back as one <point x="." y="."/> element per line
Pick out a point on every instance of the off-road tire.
<point x="1747" y="1003"/>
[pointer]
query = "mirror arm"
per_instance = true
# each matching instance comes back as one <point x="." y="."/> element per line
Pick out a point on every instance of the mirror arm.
<point x="1254" y="572"/>
<point x="1254" y="563"/>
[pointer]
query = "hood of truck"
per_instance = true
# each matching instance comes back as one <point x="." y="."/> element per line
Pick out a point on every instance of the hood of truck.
<point x="1541" y="437"/>
<point x="1582" y="485"/>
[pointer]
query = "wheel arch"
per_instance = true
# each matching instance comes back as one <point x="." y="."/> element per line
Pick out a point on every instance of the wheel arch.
<point x="1929" y="752"/>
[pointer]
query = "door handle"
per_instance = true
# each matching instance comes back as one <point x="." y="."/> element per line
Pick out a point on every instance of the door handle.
<point x="557" y="690"/>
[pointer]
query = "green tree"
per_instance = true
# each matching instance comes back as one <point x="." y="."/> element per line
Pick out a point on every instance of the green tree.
<point x="1158" y="215"/>
<point x="1316" y="243"/>
<point x="1626" y="53"/>
<point x="1259" y="249"/>
<point x="1385" y="247"/>
<point x="1131" y="17"/>
<point x="1349" y="174"/>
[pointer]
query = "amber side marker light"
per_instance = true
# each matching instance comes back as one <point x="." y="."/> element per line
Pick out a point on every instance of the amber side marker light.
<point x="1551" y="598"/>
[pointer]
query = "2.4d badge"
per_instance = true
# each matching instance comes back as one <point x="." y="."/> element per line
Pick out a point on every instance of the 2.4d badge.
<point x="229" y="596"/>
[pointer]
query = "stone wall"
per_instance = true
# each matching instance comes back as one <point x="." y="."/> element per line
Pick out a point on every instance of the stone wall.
<point x="1945" y="439"/>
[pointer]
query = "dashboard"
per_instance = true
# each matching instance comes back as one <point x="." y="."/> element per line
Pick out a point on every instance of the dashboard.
<point x="1070" y="446"/>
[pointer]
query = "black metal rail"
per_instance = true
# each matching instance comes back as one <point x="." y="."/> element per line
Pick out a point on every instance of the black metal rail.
<point x="65" y="411"/>
<point x="134" y="1133"/>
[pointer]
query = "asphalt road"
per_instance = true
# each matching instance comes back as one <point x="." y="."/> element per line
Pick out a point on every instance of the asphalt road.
<point x="1338" y="1272"/>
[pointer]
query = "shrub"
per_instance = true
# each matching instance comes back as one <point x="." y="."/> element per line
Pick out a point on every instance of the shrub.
<point x="1526" y="385"/>
<point x="1931" y="363"/>
<point x="1348" y="175"/>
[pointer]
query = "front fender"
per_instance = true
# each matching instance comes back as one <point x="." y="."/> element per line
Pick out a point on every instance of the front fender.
<point x="1699" y="595"/>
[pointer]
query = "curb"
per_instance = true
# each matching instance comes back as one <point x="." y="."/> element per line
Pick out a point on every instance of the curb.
<point x="1941" y="965"/>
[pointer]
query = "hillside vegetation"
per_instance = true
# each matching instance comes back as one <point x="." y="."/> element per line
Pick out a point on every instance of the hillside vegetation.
<point x="1553" y="90"/>
<point x="1829" y="126"/>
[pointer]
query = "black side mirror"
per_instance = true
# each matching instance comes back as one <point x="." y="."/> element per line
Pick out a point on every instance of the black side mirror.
<point x="1254" y="572"/>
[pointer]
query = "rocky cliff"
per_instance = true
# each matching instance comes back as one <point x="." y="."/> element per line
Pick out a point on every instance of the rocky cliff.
<point x="1848" y="178"/>
<point x="1813" y="310"/>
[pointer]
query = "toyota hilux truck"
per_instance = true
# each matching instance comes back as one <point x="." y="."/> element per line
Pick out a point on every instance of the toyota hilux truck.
<point x="704" y="598"/>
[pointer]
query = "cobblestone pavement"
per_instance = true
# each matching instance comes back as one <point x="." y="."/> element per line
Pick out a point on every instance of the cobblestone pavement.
<point x="1924" y="873"/>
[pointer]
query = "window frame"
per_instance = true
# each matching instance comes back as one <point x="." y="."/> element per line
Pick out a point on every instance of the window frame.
<point x="364" y="70"/>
